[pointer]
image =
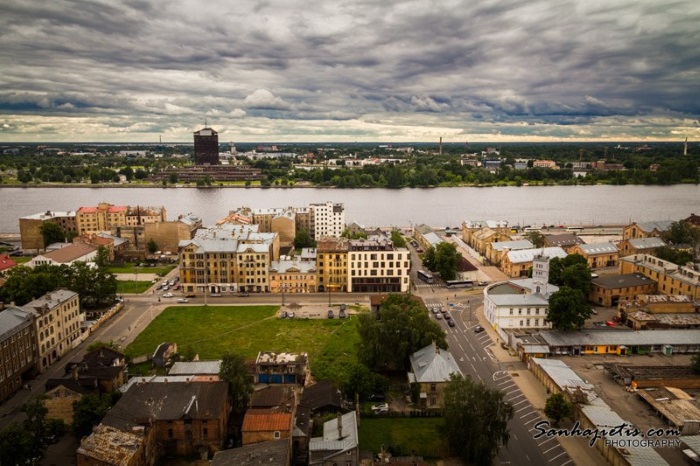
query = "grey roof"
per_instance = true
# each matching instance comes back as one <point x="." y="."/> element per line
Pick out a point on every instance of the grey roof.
<point x="519" y="300"/>
<point x="424" y="229"/>
<point x="195" y="368"/>
<point x="50" y="214"/>
<point x="117" y="241"/>
<point x="561" y="373"/>
<point x="331" y="441"/>
<point x="622" y="281"/>
<point x="432" y="238"/>
<point x="486" y="223"/>
<point x="528" y="255"/>
<point x="51" y="299"/>
<point x="273" y="452"/>
<point x="659" y="225"/>
<point x="598" y="248"/>
<point x="430" y="365"/>
<point x="647" y="243"/>
<point x="13" y="319"/>
<point x="285" y="266"/>
<point x="308" y="253"/>
<point x="512" y="245"/>
<point x="565" y="239"/>
<point x="527" y="284"/>
<point x="622" y="337"/>
<point x="692" y="442"/>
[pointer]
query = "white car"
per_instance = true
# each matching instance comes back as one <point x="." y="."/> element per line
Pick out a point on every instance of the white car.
<point x="183" y="300"/>
<point x="167" y="295"/>
<point x="381" y="408"/>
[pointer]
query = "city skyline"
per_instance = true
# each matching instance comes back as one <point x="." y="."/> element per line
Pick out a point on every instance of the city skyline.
<point x="481" y="71"/>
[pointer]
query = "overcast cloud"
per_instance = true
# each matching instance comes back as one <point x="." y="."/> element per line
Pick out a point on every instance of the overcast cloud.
<point x="362" y="70"/>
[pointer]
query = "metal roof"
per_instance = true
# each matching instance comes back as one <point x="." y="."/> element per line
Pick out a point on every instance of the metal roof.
<point x="272" y="452"/>
<point x="622" y="281"/>
<point x="598" y="248"/>
<point x="331" y="440"/>
<point x="528" y="255"/>
<point x="659" y="225"/>
<point x="286" y="266"/>
<point x="195" y="367"/>
<point x="12" y="320"/>
<point x="519" y="300"/>
<point x="622" y="337"/>
<point x="432" y="364"/>
<point x="512" y="245"/>
<point x="647" y="243"/>
<point x="561" y="373"/>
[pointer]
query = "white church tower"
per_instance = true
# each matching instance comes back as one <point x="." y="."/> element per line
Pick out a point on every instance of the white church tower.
<point x="540" y="274"/>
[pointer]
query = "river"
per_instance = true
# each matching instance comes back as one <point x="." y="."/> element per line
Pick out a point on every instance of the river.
<point x="439" y="207"/>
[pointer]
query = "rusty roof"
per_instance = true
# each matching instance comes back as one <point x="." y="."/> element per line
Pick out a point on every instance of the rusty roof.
<point x="258" y="420"/>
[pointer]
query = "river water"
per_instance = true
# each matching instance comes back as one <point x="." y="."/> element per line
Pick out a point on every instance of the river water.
<point x="438" y="207"/>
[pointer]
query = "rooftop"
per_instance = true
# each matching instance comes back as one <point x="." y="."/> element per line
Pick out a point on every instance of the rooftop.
<point x="259" y="420"/>
<point x="622" y="281"/>
<point x="528" y="255"/>
<point x="592" y="337"/>
<point x="196" y="368"/>
<point x="432" y="364"/>
<point x="273" y="452"/>
<point x="598" y="248"/>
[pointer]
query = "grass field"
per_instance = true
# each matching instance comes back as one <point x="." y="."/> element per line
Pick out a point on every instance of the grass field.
<point x="132" y="286"/>
<point x="403" y="434"/>
<point x="213" y="330"/>
<point x="131" y="268"/>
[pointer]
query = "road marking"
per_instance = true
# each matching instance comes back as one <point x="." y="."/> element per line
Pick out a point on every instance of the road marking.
<point x="524" y="407"/>
<point x="570" y="461"/>
<point x="515" y="398"/>
<point x="555" y="446"/>
<point x="563" y="453"/>
<point x="516" y="438"/>
<point x="548" y="440"/>
<point x="532" y="420"/>
<point x="512" y="391"/>
<point x="460" y="346"/>
<point x="473" y="368"/>
<point x="528" y="458"/>
<point x="511" y="384"/>
<point x="527" y="414"/>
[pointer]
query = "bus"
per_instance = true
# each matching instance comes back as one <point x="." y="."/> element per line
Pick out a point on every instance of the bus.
<point x="459" y="283"/>
<point x="425" y="276"/>
<point x="574" y="229"/>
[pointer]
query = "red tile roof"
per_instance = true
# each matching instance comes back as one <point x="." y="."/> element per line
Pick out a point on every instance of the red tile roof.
<point x="6" y="262"/>
<point x="111" y="209"/>
<point x="266" y="421"/>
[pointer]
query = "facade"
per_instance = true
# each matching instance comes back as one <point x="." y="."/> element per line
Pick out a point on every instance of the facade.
<point x="376" y="266"/>
<point x="57" y="319"/>
<point x="471" y="227"/>
<point x="328" y="220"/>
<point x="332" y="264"/>
<point x="167" y="235"/>
<point x="518" y="263"/>
<point x="30" y="227"/>
<point x="495" y="251"/>
<point x="103" y="370"/>
<point x="598" y="254"/>
<point x="431" y="368"/>
<point x="206" y="147"/>
<point x="59" y="400"/>
<point x="339" y="445"/>
<point x="104" y="217"/>
<point x="18" y="351"/>
<point x="264" y="425"/>
<point x="228" y="258"/>
<point x="426" y="236"/>
<point x="610" y="290"/>
<point x="622" y="342"/>
<point x="76" y="252"/>
<point x="629" y="247"/>
<point x="293" y="276"/>
<point x="672" y="279"/>
<point x="659" y="311"/>
<point x="281" y="368"/>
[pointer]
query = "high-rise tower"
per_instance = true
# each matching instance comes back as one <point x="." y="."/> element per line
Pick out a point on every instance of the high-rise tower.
<point x="540" y="274"/>
<point x="206" y="147"/>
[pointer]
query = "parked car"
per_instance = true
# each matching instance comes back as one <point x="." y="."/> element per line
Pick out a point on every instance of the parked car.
<point x="381" y="408"/>
<point x="330" y="314"/>
<point x="610" y="323"/>
<point x="478" y="329"/>
<point x="283" y="315"/>
<point x="167" y="295"/>
<point x="436" y="310"/>
<point x="483" y="283"/>
<point x="215" y="295"/>
<point x="341" y="314"/>
<point x="183" y="300"/>
<point x="190" y="295"/>
<point x="438" y="316"/>
<point x="451" y="323"/>
<point x="243" y="294"/>
<point x="448" y="317"/>
<point x="290" y="314"/>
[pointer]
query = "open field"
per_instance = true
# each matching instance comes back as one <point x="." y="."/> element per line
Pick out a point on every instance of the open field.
<point x="403" y="434"/>
<point x="132" y="268"/>
<point x="213" y="330"/>
<point x="132" y="286"/>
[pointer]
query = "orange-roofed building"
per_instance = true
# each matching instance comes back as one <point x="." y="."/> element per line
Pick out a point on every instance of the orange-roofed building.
<point x="104" y="216"/>
<point x="261" y="425"/>
<point x="6" y="262"/>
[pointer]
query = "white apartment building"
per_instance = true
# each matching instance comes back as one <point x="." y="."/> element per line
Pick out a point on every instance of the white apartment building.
<point x="328" y="219"/>
<point x="57" y="320"/>
<point x="375" y="265"/>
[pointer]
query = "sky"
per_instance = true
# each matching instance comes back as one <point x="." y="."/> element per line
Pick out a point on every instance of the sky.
<point x="345" y="71"/>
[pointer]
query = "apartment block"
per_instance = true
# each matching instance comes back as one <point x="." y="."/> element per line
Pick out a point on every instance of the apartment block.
<point x="17" y="350"/>
<point x="332" y="264"/>
<point x="57" y="320"/>
<point x="329" y="219"/>
<point x="30" y="227"/>
<point x="376" y="266"/>
<point x="293" y="276"/>
<point x="104" y="216"/>
<point x="672" y="279"/>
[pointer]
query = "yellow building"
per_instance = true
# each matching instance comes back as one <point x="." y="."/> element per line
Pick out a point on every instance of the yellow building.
<point x="518" y="263"/>
<point x="332" y="264"/>
<point x="598" y="254"/>
<point x="431" y="369"/>
<point x="104" y="216"/>
<point x="645" y="229"/>
<point x="295" y="276"/>
<point x="672" y="279"/>
<point x="30" y="227"/>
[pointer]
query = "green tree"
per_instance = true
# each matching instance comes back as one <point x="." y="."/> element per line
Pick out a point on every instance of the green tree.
<point x="303" y="240"/>
<point x="558" y="407"/>
<point x="24" y="176"/>
<point x="240" y="386"/>
<point x="401" y="328"/>
<point x="677" y="256"/>
<point x="475" y="419"/>
<point x="17" y="446"/>
<point x="681" y="233"/>
<point x="568" y="309"/>
<point x="535" y="237"/>
<point x="446" y="260"/>
<point x="364" y="382"/>
<point x="173" y="179"/>
<point x="429" y="258"/>
<point x="102" y="257"/>
<point x="695" y="363"/>
<point x="88" y="412"/>
<point x="398" y="239"/>
<point x="52" y="233"/>
<point x="151" y="246"/>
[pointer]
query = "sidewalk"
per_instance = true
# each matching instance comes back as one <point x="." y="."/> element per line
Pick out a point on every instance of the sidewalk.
<point x="577" y="448"/>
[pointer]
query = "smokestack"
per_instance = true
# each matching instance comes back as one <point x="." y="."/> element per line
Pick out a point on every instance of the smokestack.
<point x="340" y="427"/>
<point x="440" y="145"/>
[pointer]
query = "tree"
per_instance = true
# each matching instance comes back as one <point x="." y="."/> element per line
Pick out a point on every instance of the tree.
<point x="429" y="258"/>
<point x="152" y="246"/>
<point x="234" y="371"/>
<point x="364" y="382"/>
<point x="102" y="257"/>
<point x="557" y="408"/>
<point x="677" y="256"/>
<point x="571" y="271"/>
<point x="303" y="240"/>
<point x="401" y="328"/>
<point x="24" y="176"/>
<point x="568" y="309"/>
<point x="681" y="233"/>
<point x="173" y="179"/>
<point x="52" y="233"/>
<point x="535" y="237"/>
<point x="89" y="411"/>
<point x="446" y="260"/>
<point x="475" y="419"/>
<point x="695" y="363"/>
<point x="398" y="239"/>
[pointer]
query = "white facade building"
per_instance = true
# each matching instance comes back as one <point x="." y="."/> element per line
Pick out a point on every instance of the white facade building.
<point x="329" y="219"/>
<point x="374" y="265"/>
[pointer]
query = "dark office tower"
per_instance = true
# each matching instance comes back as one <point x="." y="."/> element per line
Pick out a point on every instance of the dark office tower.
<point x="206" y="147"/>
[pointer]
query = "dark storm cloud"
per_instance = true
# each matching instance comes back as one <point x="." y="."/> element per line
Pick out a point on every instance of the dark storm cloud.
<point x="406" y="70"/>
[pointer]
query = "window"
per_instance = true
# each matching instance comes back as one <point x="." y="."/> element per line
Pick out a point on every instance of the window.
<point x="277" y="434"/>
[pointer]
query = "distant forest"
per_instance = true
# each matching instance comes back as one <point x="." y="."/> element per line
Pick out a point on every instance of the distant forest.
<point x="326" y="164"/>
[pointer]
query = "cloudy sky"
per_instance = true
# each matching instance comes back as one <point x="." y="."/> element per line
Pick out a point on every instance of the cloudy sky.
<point x="350" y="70"/>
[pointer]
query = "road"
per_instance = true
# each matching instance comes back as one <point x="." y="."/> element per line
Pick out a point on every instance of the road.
<point x="472" y="352"/>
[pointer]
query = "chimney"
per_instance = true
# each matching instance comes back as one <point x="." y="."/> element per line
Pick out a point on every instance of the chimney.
<point x="340" y="427"/>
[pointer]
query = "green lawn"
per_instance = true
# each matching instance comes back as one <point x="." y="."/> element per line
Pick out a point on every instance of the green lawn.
<point x="403" y="434"/>
<point x="132" y="286"/>
<point x="131" y="268"/>
<point x="213" y="330"/>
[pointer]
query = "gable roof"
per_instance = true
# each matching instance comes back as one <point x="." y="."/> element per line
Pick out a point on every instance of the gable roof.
<point x="6" y="262"/>
<point x="70" y="253"/>
<point x="335" y="439"/>
<point x="661" y="225"/>
<point x="528" y="255"/>
<point x="432" y="364"/>
<point x="259" y="420"/>
<point x="269" y="453"/>
<point x="647" y="243"/>
<point x="566" y="239"/>
<point x="598" y="248"/>
<point x="320" y="395"/>
<point x="273" y="396"/>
